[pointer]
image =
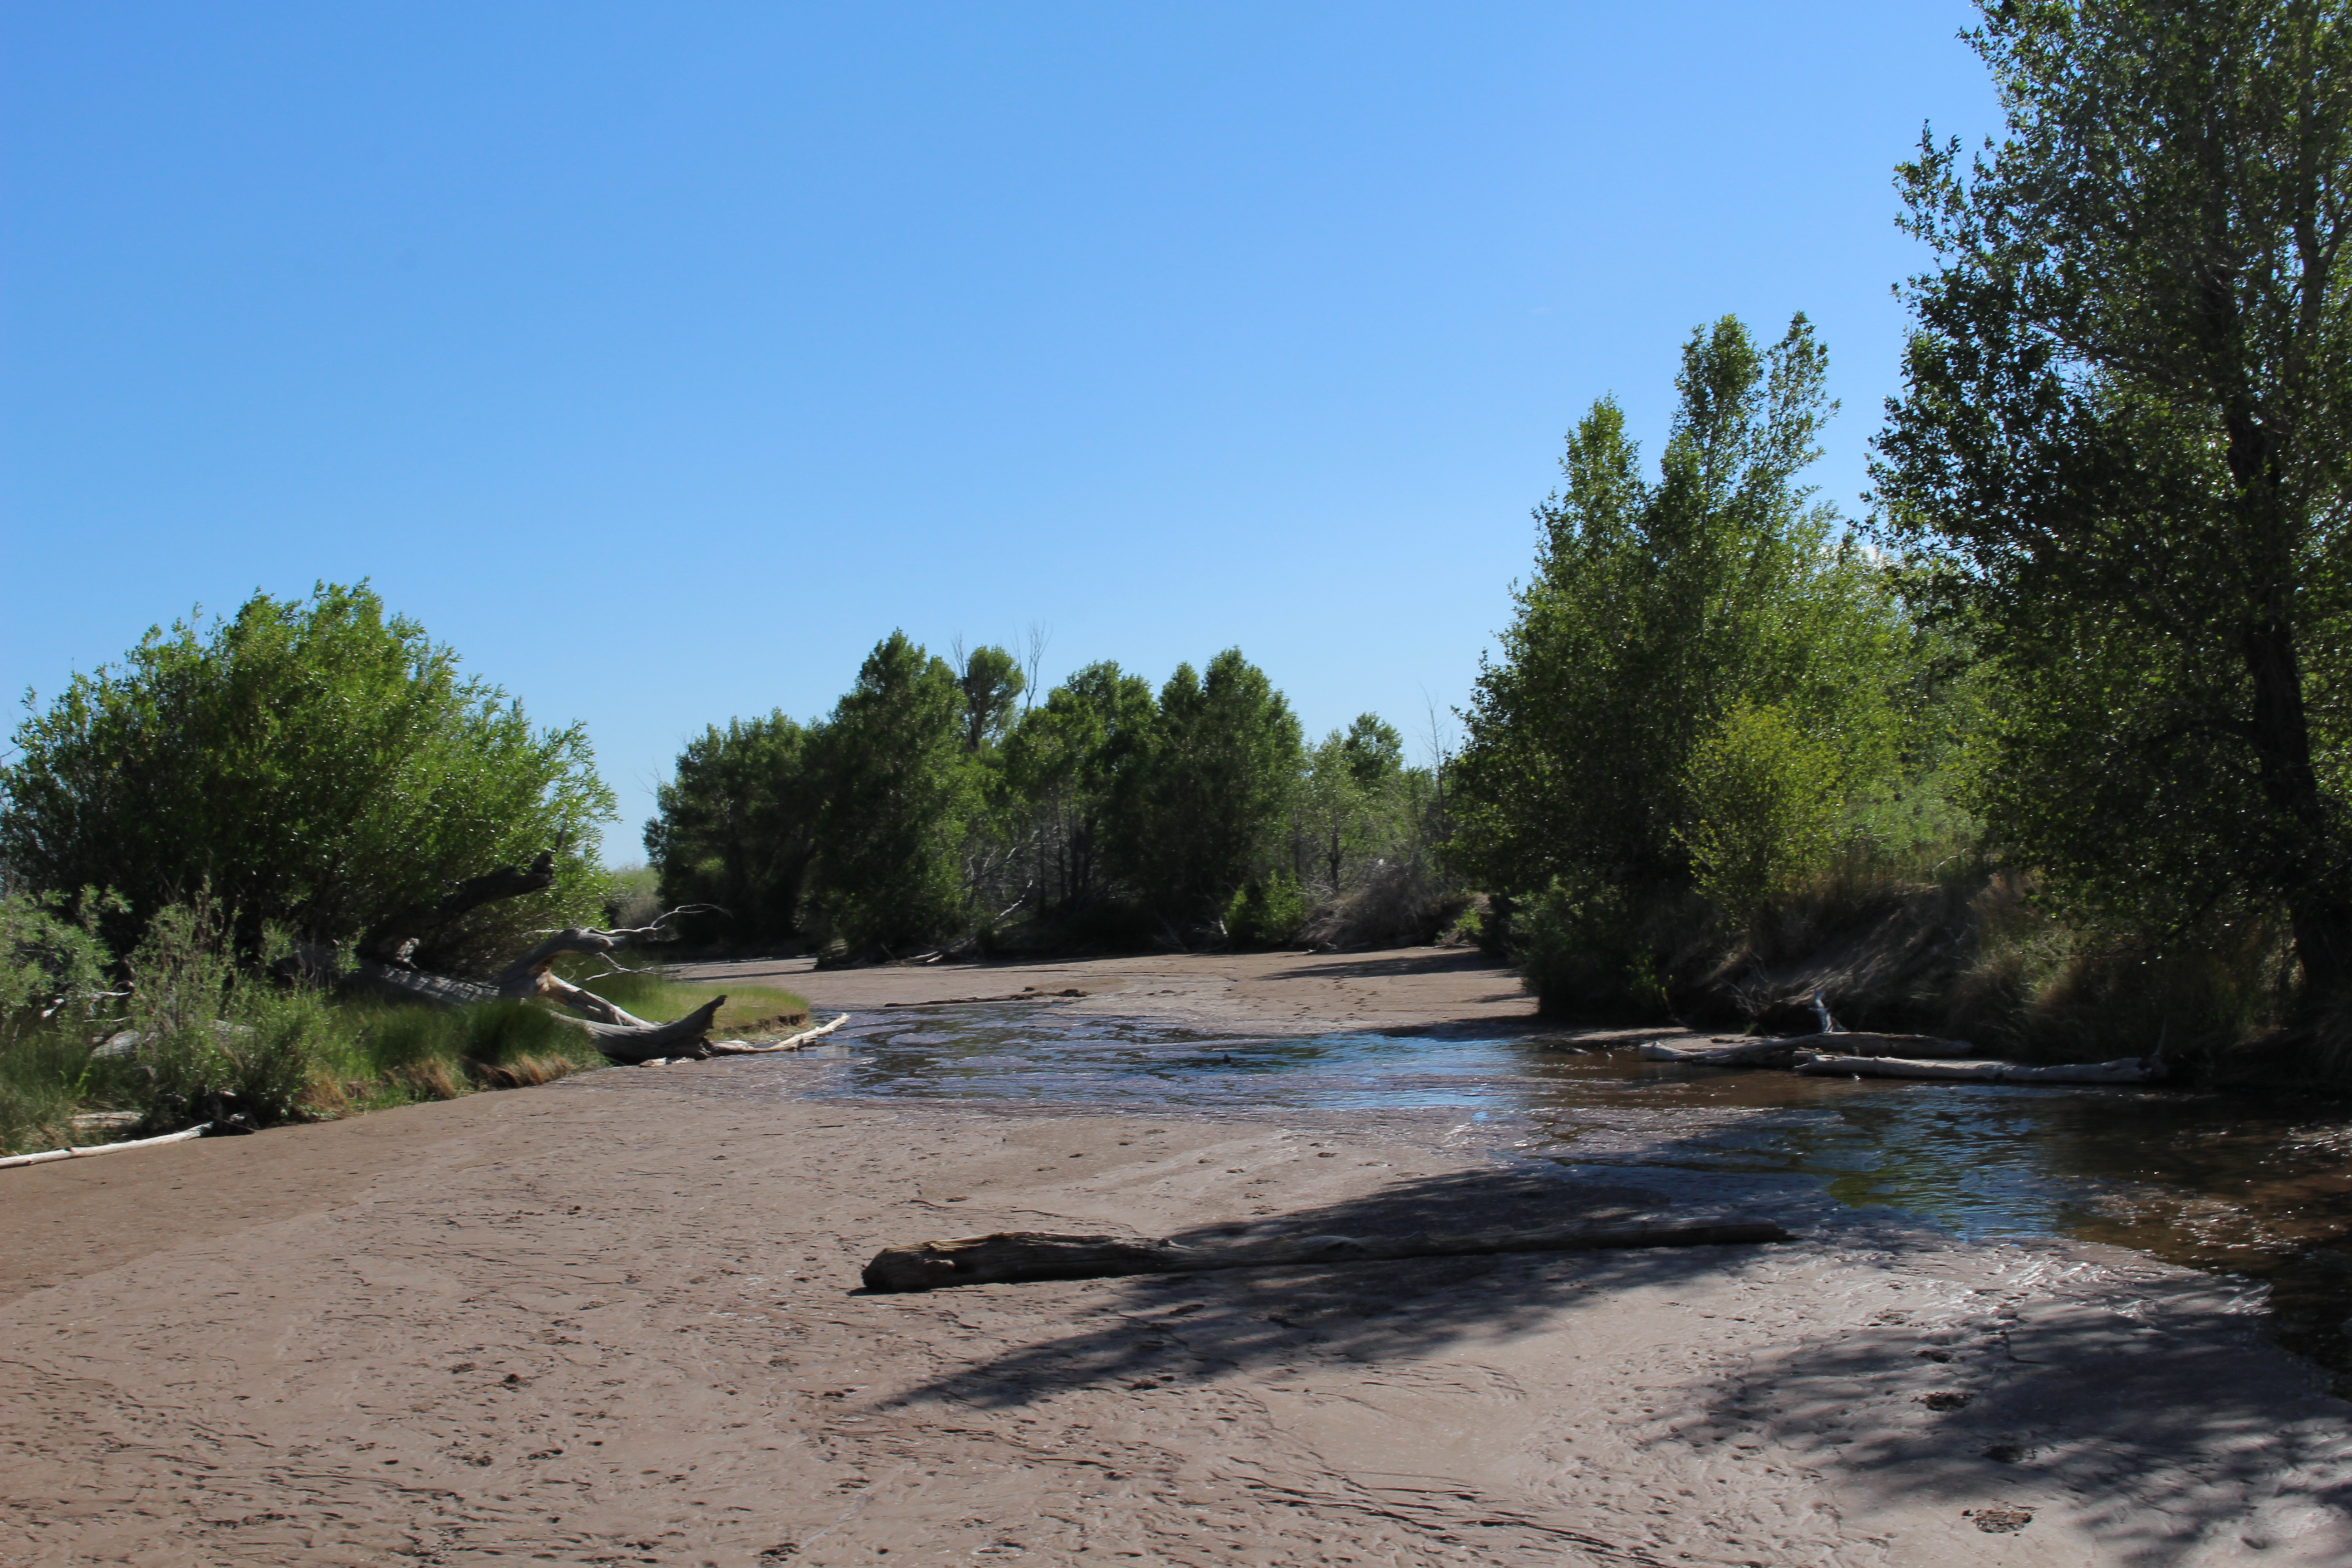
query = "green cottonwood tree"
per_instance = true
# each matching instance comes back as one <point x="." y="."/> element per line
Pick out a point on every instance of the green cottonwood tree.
<point x="2123" y="454"/>
<point x="736" y="825"/>
<point x="1656" y="609"/>
<point x="1062" y="760"/>
<point x="901" y="791"/>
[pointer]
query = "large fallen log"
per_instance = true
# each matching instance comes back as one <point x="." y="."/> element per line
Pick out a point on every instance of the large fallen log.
<point x="2126" y="1069"/>
<point x="619" y="1035"/>
<point x="1784" y="1051"/>
<point x="1008" y="1256"/>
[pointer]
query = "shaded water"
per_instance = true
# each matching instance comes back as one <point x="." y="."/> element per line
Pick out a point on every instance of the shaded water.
<point x="2255" y="1186"/>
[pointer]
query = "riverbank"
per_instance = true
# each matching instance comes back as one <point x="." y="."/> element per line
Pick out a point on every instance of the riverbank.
<point x="611" y="1320"/>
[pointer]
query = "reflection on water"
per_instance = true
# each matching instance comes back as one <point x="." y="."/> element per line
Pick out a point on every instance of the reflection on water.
<point x="2255" y="1186"/>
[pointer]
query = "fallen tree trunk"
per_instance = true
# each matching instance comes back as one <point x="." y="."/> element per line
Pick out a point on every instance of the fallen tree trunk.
<point x="620" y="1035"/>
<point x="1784" y="1052"/>
<point x="1009" y="1256"/>
<point x="90" y="1150"/>
<point x="1749" y="1054"/>
<point x="2127" y="1069"/>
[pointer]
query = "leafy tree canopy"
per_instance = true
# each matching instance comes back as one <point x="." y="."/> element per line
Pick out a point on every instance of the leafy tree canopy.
<point x="1658" y="607"/>
<point x="900" y="794"/>
<point x="2121" y="457"/>
<point x="316" y="763"/>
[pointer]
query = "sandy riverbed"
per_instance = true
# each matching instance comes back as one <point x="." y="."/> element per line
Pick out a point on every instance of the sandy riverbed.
<point x="611" y="1320"/>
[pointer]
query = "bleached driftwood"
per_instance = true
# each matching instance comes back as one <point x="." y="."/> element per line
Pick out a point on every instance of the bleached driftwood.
<point x="1013" y="1255"/>
<point x="84" y="1151"/>
<point x="620" y="1035"/>
<point x="2127" y="1069"/>
<point x="1783" y="1052"/>
<point x="746" y="1048"/>
<point x="1750" y="1053"/>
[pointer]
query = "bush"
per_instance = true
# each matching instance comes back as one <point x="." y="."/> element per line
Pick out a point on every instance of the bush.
<point x="313" y="765"/>
<point x="1596" y="951"/>
<point x="1268" y="910"/>
<point x="1764" y="799"/>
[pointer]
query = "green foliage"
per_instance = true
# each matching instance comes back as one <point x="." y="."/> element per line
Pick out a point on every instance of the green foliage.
<point x="314" y="763"/>
<point x="2120" y="460"/>
<point x="992" y="682"/>
<point x="1355" y="802"/>
<point x="736" y="828"/>
<point x="1062" y="759"/>
<point x="1268" y="910"/>
<point x="1589" y="949"/>
<point x="1200" y="805"/>
<point x="52" y="963"/>
<point x="901" y="792"/>
<point x="1598" y="740"/>
<point x="1764" y="803"/>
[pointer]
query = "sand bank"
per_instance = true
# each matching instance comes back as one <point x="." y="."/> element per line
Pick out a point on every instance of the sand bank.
<point x="611" y="1320"/>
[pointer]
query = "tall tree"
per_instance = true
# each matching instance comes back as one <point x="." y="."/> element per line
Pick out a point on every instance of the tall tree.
<point x="2124" y="453"/>
<point x="901" y="791"/>
<point x="1062" y="759"/>
<point x="992" y="682"/>
<point x="1656" y="609"/>
<point x="736" y="826"/>
<point x="1201" y="806"/>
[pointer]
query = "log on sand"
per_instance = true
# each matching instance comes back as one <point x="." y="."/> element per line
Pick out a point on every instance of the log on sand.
<point x="1782" y="1052"/>
<point x="2127" y="1069"/>
<point x="90" y="1150"/>
<point x="1009" y="1256"/>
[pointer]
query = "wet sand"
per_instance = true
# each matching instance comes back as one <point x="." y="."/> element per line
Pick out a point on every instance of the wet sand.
<point x="615" y="1321"/>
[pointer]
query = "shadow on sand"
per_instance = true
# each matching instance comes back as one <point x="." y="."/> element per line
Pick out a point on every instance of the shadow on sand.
<point x="1245" y="1319"/>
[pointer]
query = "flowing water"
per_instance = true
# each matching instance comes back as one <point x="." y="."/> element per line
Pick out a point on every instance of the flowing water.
<point x="2260" y="1187"/>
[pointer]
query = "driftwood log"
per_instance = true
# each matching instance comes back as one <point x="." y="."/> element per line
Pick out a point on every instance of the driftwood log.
<point x="2127" y="1069"/>
<point x="1784" y="1052"/>
<point x="1009" y="1256"/>
<point x="384" y="968"/>
<point x="89" y="1150"/>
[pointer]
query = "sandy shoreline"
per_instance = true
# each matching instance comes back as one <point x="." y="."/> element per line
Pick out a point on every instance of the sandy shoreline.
<point x="611" y="1321"/>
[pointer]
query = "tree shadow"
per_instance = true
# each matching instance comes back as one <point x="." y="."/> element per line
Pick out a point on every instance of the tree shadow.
<point x="2144" y="1401"/>
<point x="1167" y="1329"/>
<point x="1345" y="967"/>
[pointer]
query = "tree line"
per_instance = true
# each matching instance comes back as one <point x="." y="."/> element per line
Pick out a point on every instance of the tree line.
<point x="940" y="799"/>
<point x="2079" y="668"/>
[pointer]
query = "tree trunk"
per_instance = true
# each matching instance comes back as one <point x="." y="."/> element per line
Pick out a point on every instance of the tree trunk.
<point x="1013" y="1255"/>
<point x="2308" y="871"/>
<point x="2127" y="1069"/>
<point x="619" y="1035"/>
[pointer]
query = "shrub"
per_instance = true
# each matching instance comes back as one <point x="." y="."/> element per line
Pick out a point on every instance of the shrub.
<point x="1764" y="799"/>
<point x="313" y="764"/>
<point x="1268" y="910"/>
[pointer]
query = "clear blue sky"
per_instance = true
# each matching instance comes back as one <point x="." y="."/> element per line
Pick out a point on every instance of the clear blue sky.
<point x="663" y="358"/>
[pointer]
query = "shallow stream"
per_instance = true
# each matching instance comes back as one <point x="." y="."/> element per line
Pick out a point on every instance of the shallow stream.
<point x="2260" y="1187"/>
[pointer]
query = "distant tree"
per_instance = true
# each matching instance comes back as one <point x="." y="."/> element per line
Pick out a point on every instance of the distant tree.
<point x="901" y="791"/>
<point x="2123" y="454"/>
<point x="1061" y="761"/>
<point x="1374" y="750"/>
<point x="1656" y="608"/>
<point x="316" y="765"/>
<point x="991" y="683"/>
<point x="1200" y="805"/>
<point x="736" y="826"/>
<point x="1350" y="802"/>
